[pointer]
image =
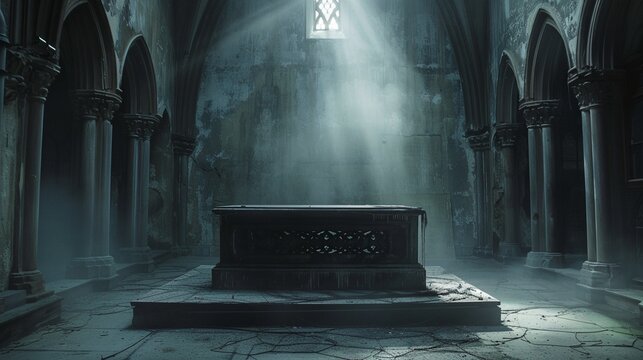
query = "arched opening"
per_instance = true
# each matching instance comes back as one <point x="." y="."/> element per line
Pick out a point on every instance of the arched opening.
<point x="86" y="67"/>
<point x="557" y="159"/>
<point x="511" y="138"/>
<point x="630" y="59"/>
<point x="134" y="124"/>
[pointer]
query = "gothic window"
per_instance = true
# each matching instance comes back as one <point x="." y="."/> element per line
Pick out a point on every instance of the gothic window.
<point x="324" y="19"/>
<point x="327" y="15"/>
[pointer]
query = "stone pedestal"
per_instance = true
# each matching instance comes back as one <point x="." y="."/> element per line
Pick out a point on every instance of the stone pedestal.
<point x="602" y="275"/>
<point x="545" y="260"/>
<point x="93" y="267"/>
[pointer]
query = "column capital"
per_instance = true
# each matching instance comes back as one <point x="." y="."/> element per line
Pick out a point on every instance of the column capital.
<point x="97" y="103"/>
<point x="42" y="73"/>
<point x="478" y="139"/>
<point x="140" y="125"/>
<point x="17" y="65"/>
<point x="595" y="87"/>
<point x="183" y="145"/>
<point x="540" y="113"/>
<point x="506" y="134"/>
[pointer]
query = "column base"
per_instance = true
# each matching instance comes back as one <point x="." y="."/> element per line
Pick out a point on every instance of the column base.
<point x="180" y="250"/>
<point x="139" y="255"/>
<point x="511" y="250"/>
<point x="602" y="275"/>
<point x="31" y="282"/>
<point x="545" y="260"/>
<point x="482" y="251"/>
<point x="95" y="267"/>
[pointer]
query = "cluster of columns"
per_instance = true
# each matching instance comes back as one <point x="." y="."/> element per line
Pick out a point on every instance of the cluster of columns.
<point x="95" y="110"/>
<point x="602" y="123"/>
<point x="479" y="141"/>
<point x="183" y="147"/>
<point x="540" y="117"/>
<point x="30" y="75"/>
<point x="139" y="130"/>
<point x="506" y="135"/>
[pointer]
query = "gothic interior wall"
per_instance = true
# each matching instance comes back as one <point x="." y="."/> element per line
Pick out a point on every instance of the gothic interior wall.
<point x="511" y="24"/>
<point x="374" y="118"/>
<point x="151" y="19"/>
<point x="126" y="20"/>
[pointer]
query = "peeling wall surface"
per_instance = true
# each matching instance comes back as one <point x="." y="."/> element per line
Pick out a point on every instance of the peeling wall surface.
<point x="375" y="118"/>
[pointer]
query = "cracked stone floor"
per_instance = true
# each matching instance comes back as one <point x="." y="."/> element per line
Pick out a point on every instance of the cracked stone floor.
<point x="541" y="320"/>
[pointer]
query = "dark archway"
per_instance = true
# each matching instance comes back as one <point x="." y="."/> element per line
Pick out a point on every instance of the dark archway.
<point x="511" y="139"/>
<point x="610" y="59"/>
<point x="134" y="125"/>
<point x="555" y="146"/>
<point x="86" y="68"/>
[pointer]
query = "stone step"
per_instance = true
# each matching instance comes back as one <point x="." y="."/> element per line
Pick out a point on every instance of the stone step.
<point x="637" y="283"/>
<point x="625" y="299"/>
<point x="11" y="299"/>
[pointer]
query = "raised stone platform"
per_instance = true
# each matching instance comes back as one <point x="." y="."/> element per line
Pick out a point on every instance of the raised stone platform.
<point x="189" y="301"/>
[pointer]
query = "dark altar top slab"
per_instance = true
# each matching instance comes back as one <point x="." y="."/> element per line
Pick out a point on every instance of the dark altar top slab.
<point x="310" y="247"/>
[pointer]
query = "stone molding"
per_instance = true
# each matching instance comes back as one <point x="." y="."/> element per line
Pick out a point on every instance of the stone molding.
<point x="478" y="139"/>
<point x="541" y="113"/>
<point x="96" y="103"/>
<point x="595" y="87"/>
<point x="140" y="125"/>
<point x="28" y="71"/>
<point x="183" y="145"/>
<point x="507" y="134"/>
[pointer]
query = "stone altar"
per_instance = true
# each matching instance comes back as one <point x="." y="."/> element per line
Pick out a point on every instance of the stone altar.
<point x="319" y="248"/>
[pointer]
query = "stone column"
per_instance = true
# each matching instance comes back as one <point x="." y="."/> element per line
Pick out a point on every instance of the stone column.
<point x="94" y="108"/>
<point x="4" y="43"/>
<point x="598" y="96"/>
<point x="140" y="128"/>
<point x="506" y="136"/>
<point x="540" y="117"/>
<point x="479" y="142"/>
<point x="39" y="75"/>
<point x="150" y="122"/>
<point x="183" y="148"/>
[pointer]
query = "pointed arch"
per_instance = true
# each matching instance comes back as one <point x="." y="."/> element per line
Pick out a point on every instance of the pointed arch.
<point x="508" y="93"/>
<point x="607" y="31"/>
<point x="60" y="22"/>
<point x="548" y="59"/>
<point x="138" y="81"/>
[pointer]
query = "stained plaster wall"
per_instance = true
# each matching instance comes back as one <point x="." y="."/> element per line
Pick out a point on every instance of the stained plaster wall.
<point x="511" y="24"/>
<point x="376" y="118"/>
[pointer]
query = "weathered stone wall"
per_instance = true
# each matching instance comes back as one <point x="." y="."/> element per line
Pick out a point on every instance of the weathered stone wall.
<point x="376" y="118"/>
